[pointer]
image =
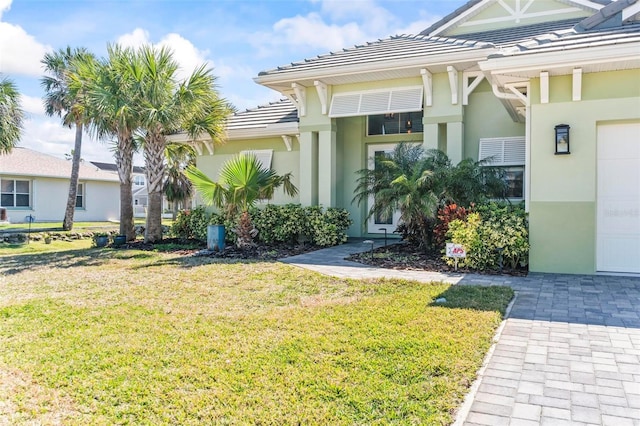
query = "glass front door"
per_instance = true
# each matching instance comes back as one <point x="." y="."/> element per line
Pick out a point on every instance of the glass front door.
<point x="377" y="223"/>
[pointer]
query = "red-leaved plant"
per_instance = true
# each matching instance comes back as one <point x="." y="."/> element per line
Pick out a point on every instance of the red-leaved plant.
<point x="447" y="214"/>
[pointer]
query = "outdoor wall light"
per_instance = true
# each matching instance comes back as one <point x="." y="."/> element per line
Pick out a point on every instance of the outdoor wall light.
<point x="562" y="139"/>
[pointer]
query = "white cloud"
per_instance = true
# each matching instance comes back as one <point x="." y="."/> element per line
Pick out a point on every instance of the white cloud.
<point x="134" y="39"/>
<point x="4" y="6"/>
<point x="20" y="53"/>
<point x="32" y="104"/>
<point x="184" y="52"/>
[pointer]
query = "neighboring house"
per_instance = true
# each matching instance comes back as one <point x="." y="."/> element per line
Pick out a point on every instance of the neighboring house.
<point x="549" y="88"/>
<point x="37" y="185"/>
<point x="139" y="186"/>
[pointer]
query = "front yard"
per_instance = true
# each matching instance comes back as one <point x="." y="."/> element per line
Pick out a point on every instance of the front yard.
<point x="107" y="336"/>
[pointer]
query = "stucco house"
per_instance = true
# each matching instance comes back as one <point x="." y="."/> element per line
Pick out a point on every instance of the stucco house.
<point x="37" y="185"/>
<point x="138" y="186"/>
<point x="549" y="88"/>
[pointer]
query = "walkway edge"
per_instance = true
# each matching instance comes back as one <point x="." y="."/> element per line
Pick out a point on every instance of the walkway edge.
<point x="465" y="408"/>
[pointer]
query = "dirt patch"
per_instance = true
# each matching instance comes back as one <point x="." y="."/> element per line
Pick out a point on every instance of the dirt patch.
<point x="407" y="257"/>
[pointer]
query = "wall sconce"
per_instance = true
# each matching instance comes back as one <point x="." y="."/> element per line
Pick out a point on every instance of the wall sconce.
<point x="409" y="126"/>
<point x="562" y="139"/>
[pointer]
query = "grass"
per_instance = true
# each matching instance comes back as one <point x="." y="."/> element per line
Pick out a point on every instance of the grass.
<point x="77" y="226"/>
<point x="127" y="337"/>
<point x="40" y="247"/>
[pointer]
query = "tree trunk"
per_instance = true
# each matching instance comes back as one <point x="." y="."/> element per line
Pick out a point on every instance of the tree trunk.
<point x="67" y="223"/>
<point x="154" y="162"/>
<point x="124" y="162"/>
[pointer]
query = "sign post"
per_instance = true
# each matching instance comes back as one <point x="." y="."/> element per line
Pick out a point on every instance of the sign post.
<point x="456" y="251"/>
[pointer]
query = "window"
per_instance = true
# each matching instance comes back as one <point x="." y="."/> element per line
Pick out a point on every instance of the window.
<point x="394" y="123"/>
<point x="510" y="154"/>
<point x="15" y="193"/>
<point x="80" y="196"/>
<point x="138" y="180"/>
<point x="380" y="101"/>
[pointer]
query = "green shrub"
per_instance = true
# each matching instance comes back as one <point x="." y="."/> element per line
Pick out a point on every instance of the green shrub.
<point x="494" y="228"/>
<point x="279" y="224"/>
<point x="327" y="228"/>
<point x="191" y="224"/>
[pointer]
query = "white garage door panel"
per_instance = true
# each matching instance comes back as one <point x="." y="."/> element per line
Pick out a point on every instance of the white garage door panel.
<point x="618" y="222"/>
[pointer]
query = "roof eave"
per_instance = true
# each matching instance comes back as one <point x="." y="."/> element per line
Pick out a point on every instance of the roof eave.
<point x="566" y="58"/>
<point x="278" y="79"/>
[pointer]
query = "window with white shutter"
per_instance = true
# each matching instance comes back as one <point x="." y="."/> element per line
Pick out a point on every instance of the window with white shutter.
<point x="400" y="99"/>
<point x="263" y="156"/>
<point x="510" y="154"/>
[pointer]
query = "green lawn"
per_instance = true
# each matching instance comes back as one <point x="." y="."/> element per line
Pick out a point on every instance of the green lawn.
<point x="77" y="226"/>
<point x="101" y="336"/>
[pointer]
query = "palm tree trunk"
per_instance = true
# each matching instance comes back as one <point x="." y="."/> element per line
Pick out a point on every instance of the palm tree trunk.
<point x="124" y="162"/>
<point x="154" y="162"/>
<point x="67" y="223"/>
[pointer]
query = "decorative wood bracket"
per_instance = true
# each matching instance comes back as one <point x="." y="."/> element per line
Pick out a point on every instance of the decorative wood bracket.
<point x="427" y="82"/>
<point x="323" y="94"/>
<point x="468" y="88"/>
<point x="288" y="141"/>
<point x="577" y="84"/>
<point x="544" y="87"/>
<point x="515" y="89"/>
<point x="301" y="96"/>
<point x="453" y="83"/>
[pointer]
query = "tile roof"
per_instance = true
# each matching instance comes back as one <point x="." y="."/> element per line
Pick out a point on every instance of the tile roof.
<point x="607" y="16"/>
<point x="468" y="6"/>
<point x="509" y="36"/>
<point x="390" y="49"/>
<point x="279" y="112"/>
<point x="110" y="167"/>
<point x="572" y="39"/>
<point x="26" y="162"/>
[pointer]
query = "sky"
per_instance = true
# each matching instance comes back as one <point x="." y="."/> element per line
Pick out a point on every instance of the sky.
<point x="238" y="39"/>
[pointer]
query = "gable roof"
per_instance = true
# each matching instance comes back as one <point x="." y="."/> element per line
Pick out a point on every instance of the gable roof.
<point x="609" y="16"/>
<point x="26" y="162"/>
<point x="476" y="5"/>
<point x="508" y="36"/>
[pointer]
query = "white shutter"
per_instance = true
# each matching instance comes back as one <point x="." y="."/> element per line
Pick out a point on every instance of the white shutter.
<point x="402" y="99"/>
<point x="503" y="151"/>
<point x="263" y="156"/>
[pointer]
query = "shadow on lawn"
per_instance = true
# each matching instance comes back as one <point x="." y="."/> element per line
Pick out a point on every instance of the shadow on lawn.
<point x="479" y="298"/>
<point x="12" y="265"/>
<point x="187" y="261"/>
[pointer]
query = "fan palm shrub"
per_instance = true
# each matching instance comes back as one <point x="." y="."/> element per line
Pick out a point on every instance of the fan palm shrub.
<point x="243" y="181"/>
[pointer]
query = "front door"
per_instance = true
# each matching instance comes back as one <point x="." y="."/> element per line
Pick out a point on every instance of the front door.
<point x="377" y="224"/>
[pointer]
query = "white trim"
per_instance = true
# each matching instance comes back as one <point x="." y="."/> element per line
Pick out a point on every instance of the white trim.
<point x="516" y="18"/>
<point x="288" y="141"/>
<point x="301" y="95"/>
<point x="527" y="159"/>
<point x="453" y="84"/>
<point x="629" y="11"/>
<point x="577" y="84"/>
<point x="323" y="94"/>
<point x="544" y="87"/>
<point x="467" y="88"/>
<point x="427" y="82"/>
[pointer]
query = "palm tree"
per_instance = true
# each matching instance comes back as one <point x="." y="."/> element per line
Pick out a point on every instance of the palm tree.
<point x="169" y="106"/>
<point x="417" y="183"/>
<point x="111" y="96"/>
<point x="243" y="181"/>
<point x="67" y="103"/>
<point x="11" y="115"/>
<point x="177" y="187"/>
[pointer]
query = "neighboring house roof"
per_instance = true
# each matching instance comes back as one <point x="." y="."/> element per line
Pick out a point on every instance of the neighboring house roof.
<point x="609" y="16"/>
<point x="279" y="112"/>
<point x="26" y="162"/>
<point x="110" y="167"/>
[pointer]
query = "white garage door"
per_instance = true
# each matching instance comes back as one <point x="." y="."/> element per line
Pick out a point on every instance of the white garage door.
<point x="618" y="228"/>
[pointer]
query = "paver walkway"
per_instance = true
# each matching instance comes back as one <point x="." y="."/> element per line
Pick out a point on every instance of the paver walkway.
<point x="569" y="351"/>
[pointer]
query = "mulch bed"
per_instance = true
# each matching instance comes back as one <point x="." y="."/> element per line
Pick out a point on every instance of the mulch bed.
<point x="198" y="248"/>
<point x="407" y="257"/>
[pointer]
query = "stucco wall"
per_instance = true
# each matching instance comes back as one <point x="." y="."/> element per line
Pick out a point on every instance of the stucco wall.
<point x="563" y="188"/>
<point x="283" y="161"/>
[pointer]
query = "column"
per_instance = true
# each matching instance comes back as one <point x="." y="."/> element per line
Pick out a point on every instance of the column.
<point x="455" y="141"/>
<point x="308" y="169"/>
<point x="430" y="136"/>
<point x="327" y="168"/>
